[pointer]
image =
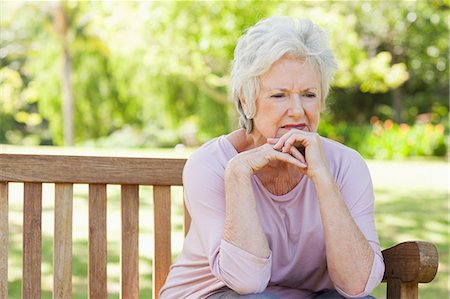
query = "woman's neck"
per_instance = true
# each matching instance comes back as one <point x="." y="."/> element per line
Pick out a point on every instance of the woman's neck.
<point x="279" y="177"/>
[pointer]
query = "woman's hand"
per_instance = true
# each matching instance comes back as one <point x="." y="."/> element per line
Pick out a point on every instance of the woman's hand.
<point x="295" y="142"/>
<point x="249" y="162"/>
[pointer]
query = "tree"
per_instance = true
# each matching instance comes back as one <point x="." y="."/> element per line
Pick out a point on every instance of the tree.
<point x="61" y="24"/>
<point x="165" y="65"/>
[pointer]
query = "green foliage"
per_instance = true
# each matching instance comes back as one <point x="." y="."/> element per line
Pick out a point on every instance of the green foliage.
<point x="383" y="76"/>
<point x="131" y="137"/>
<point x="388" y="140"/>
<point x="415" y="34"/>
<point x="165" y="65"/>
<point x="20" y="119"/>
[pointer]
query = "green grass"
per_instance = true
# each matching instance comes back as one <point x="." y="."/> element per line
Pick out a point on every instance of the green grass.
<point x="411" y="204"/>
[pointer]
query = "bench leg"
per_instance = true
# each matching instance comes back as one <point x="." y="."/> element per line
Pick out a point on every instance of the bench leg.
<point x="402" y="290"/>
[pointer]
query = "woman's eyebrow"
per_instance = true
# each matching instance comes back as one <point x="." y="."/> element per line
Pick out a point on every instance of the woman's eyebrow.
<point x="287" y="90"/>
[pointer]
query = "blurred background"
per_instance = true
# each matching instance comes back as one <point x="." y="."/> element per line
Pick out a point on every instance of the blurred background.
<point x="155" y="74"/>
<point x="151" y="77"/>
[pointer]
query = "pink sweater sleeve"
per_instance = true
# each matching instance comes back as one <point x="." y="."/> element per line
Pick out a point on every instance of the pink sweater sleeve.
<point x="356" y="188"/>
<point x="205" y="199"/>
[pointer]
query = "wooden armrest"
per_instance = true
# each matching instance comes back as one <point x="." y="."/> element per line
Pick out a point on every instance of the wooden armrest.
<point x="407" y="265"/>
<point x="413" y="261"/>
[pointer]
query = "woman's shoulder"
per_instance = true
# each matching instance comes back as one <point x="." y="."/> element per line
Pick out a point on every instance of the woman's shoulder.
<point x="340" y="156"/>
<point x="212" y="155"/>
<point x="338" y="150"/>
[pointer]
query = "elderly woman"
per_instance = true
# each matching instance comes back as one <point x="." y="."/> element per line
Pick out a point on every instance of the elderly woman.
<point x="277" y="210"/>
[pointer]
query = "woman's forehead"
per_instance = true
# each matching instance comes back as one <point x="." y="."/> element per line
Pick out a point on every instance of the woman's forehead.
<point x="291" y="74"/>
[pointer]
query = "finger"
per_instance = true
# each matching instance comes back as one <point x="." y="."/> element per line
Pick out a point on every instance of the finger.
<point x="293" y="141"/>
<point x="298" y="155"/>
<point x="280" y="143"/>
<point x="272" y="140"/>
<point x="298" y="135"/>
<point x="285" y="157"/>
<point x="301" y="148"/>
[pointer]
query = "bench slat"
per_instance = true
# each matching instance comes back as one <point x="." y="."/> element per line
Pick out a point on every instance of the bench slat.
<point x="187" y="219"/>
<point x="97" y="242"/>
<point x="32" y="240"/>
<point x="62" y="246"/>
<point x="3" y="240"/>
<point x="162" y="234"/>
<point x="90" y="170"/>
<point x="129" y="257"/>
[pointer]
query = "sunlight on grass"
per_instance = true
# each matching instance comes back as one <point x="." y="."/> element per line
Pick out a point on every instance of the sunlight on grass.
<point x="411" y="204"/>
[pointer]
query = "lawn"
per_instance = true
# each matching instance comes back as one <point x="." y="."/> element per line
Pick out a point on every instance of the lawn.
<point x="411" y="204"/>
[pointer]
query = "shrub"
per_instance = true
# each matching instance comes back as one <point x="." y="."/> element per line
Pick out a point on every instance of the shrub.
<point x="388" y="140"/>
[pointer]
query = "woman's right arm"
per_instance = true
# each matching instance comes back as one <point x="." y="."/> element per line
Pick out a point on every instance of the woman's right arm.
<point x="223" y="211"/>
<point x="242" y="225"/>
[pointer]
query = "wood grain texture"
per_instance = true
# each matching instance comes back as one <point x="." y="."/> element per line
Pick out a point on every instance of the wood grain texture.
<point x="32" y="240"/>
<point x="162" y="234"/>
<point x="187" y="219"/>
<point x="396" y="289"/>
<point x="97" y="242"/>
<point x="393" y="289"/>
<point x="89" y="169"/>
<point x="3" y="240"/>
<point x="429" y="261"/>
<point x="62" y="245"/>
<point x="129" y="257"/>
<point x="409" y="290"/>
<point x="413" y="261"/>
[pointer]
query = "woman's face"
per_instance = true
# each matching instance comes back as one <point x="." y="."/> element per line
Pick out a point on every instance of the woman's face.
<point x="290" y="98"/>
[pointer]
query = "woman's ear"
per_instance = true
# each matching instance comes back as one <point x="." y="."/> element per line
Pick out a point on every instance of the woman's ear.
<point x="244" y="106"/>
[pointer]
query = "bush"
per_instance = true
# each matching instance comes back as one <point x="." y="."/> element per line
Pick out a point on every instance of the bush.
<point x="131" y="137"/>
<point x="388" y="140"/>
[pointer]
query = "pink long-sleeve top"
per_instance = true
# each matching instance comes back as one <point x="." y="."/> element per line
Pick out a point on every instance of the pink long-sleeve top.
<point x="296" y="267"/>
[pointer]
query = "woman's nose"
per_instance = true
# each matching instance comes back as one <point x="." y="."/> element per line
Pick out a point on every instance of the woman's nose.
<point x="296" y="106"/>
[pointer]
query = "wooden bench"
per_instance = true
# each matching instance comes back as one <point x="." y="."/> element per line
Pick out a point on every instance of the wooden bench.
<point x="407" y="264"/>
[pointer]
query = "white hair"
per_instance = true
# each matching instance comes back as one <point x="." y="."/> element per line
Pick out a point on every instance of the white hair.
<point x="265" y="43"/>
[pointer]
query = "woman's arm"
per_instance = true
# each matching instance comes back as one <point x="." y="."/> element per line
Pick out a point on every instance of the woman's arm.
<point x="225" y="219"/>
<point x="350" y="257"/>
<point x="242" y="225"/>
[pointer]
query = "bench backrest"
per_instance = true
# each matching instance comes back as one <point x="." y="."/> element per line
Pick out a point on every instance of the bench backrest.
<point x="97" y="172"/>
<point x="407" y="264"/>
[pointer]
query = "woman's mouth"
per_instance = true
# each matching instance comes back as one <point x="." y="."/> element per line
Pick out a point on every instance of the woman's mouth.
<point x="295" y="126"/>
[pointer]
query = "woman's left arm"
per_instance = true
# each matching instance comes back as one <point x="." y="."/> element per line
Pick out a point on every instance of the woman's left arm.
<point x="350" y="256"/>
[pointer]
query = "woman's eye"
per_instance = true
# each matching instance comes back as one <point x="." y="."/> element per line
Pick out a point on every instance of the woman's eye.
<point x="310" y="95"/>
<point x="278" y="95"/>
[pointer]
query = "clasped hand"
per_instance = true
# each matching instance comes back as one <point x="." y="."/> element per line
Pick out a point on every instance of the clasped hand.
<point x="299" y="148"/>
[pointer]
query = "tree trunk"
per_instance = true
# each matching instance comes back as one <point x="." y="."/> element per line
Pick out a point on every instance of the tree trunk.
<point x="61" y="26"/>
<point x="67" y="97"/>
